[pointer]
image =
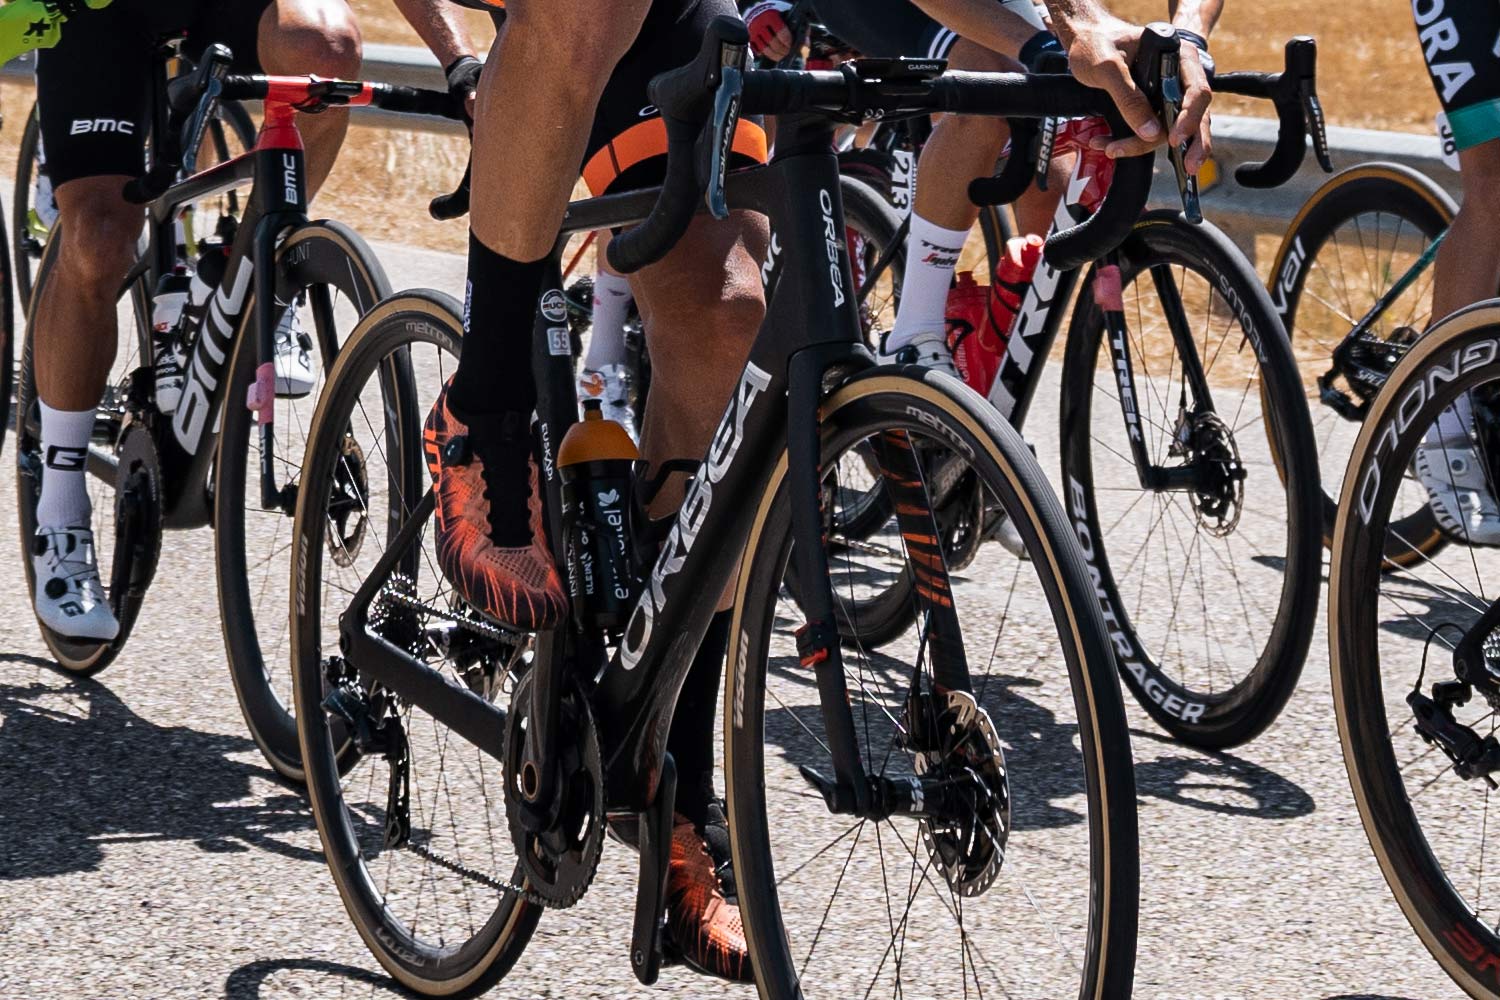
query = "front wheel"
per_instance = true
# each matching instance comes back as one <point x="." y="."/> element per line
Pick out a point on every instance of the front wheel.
<point x="331" y="278"/>
<point x="1020" y="878"/>
<point x="416" y="835"/>
<point x="1190" y="475"/>
<point x="1417" y="725"/>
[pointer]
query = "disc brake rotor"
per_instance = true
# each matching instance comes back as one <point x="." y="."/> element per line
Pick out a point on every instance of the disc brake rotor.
<point x="558" y="862"/>
<point x="968" y="845"/>
<point x="1219" y="500"/>
<point x="347" y="517"/>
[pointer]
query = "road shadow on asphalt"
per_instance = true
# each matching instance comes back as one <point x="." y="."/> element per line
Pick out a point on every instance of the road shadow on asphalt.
<point x="1214" y="781"/>
<point x="250" y="981"/>
<point x="79" y="770"/>
<point x="1040" y="752"/>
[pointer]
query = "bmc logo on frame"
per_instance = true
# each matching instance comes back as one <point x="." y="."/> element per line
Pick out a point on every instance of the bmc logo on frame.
<point x="88" y="126"/>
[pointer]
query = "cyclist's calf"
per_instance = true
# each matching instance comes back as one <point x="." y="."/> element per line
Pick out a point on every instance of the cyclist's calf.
<point x="75" y="310"/>
<point x="1467" y="267"/>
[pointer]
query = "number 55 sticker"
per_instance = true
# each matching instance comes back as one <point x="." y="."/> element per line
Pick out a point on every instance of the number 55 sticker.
<point x="1445" y="136"/>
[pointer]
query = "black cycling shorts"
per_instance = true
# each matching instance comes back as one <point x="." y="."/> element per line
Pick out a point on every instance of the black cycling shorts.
<point x="628" y="141"/>
<point x="890" y="28"/>
<point x="1459" y="39"/>
<point x="94" y="88"/>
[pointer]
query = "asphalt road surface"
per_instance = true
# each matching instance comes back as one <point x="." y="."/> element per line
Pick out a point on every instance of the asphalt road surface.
<point x="147" y="851"/>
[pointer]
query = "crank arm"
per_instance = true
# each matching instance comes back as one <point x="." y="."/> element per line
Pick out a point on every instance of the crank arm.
<point x="655" y="832"/>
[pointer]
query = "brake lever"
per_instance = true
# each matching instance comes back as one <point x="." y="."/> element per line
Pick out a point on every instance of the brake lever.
<point x="1317" y="127"/>
<point x="726" y="116"/>
<point x="1171" y="93"/>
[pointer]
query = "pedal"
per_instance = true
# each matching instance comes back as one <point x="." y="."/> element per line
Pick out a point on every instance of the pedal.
<point x="655" y="833"/>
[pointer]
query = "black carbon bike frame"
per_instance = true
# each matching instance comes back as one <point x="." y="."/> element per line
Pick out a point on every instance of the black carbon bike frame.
<point x="811" y="331"/>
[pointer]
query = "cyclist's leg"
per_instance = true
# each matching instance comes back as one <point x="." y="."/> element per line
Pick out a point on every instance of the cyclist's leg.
<point x="93" y="106"/>
<point x="298" y="37"/>
<point x="606" y="374"/>
<point x="546" y="73"/>
<point x="1457" y="43"/>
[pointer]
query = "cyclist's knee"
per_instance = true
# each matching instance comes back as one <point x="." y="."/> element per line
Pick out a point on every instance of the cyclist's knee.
<point x="1480" y="172"/>
<point x="311" y="36"/>
<point x="967" y="55"/>
<point x="102" y="229"/>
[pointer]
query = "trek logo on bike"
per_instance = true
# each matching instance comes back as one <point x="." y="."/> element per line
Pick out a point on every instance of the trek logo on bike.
<point x="693" y="513"/>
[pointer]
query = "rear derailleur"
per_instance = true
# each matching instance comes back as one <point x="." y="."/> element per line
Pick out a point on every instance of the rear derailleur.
<point x="1476" y="667"/>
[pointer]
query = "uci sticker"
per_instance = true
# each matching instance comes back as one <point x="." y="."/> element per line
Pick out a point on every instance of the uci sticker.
<point x="1445" y="137"/>
<point x="554" y="306"/>
<point x="559" y="345"/>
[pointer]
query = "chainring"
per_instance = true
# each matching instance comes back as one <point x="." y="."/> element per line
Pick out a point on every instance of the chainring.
<point x="558" y="863"/>
<point x="138" y="518"/>
<point x="967" y="848"/>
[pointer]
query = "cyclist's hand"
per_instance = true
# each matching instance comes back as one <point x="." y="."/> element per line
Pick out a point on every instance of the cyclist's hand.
<point x="463" y="82"/>
<point x="1100" y="51"/>
<point x="1192" y="123"/>
<point x="770" y="37"/>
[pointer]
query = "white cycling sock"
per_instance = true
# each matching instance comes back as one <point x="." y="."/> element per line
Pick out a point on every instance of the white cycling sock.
<point x="611" y="307"/>
<point x="931" y="255"/>
<point x="64" y="502"/>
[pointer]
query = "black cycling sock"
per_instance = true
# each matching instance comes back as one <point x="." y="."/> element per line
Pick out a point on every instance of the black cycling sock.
<point x="502" y="442"/>
<point x="494" y="372"/>
<point x="691" y="740"/>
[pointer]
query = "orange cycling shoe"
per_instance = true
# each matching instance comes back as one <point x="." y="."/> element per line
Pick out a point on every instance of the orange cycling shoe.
<point x="703" y="911"/>
<point x="515" y="583"/>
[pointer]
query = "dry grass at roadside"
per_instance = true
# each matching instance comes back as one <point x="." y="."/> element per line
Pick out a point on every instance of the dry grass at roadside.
<point x="1370" y="75"/>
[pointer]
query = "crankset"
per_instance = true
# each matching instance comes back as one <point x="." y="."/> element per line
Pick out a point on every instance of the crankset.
<point x="138" y="520"/>
<point x="1364" y="362"/>
<point x="954" y="742"/>
<point x="560" y="859"/>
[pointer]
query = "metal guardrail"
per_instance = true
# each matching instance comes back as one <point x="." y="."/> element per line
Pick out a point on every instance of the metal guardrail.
<point x="1237" y="139"/>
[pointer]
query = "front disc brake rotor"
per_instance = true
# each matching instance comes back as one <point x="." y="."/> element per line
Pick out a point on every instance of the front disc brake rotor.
<point x="1218" y="500"/>
<point x="347" y="516"/>
<point x="967" y="844"/>
<point x="558" y="862"/>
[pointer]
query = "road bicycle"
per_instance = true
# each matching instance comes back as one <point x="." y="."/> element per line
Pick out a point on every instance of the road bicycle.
<point x="1186" y="450"/>
<point x="152" y="471"/>
<point x="981" y="762"/>
<point x="1352" y="281"/>
<point x="1413" y="641"/>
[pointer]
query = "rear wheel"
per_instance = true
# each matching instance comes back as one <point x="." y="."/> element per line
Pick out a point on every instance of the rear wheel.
<point x="1418" y="731"/>
<point x="1208" y="573"/>
<point x="416" y="834"/>
<point x="1361" y="233"/>
<point x="1023" y="882"/>
<point x="332" y="278"/>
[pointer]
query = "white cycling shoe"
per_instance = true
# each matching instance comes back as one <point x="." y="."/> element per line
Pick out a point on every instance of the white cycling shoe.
<point x="928" y="349"/>
<point x="1460" y="497"/>
<point x="69" y="597"/>
<point x="295" y="377"/>
<point x="612" y="386"/>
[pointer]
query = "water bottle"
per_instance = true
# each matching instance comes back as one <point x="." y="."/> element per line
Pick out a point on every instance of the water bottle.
<point x="595" y="459"/>
<point x="167" y="355"/>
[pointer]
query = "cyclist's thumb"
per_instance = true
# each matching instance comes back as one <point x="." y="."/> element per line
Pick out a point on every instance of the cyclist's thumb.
<point x="1135" y="109"/>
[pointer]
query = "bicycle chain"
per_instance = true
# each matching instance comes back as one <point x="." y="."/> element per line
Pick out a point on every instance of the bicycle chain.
<point x="475" y="625"/>
<point x="473" y="875"/>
